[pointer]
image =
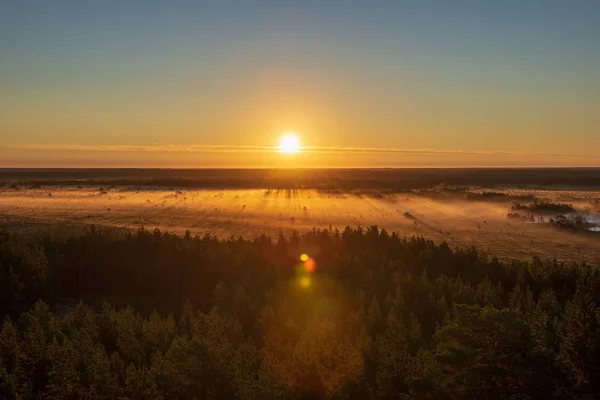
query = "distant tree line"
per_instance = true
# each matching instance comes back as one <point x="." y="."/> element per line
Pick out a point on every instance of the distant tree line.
<point x="376" y="316"/>
<point x="327" y="179"/>
<point x="541" y="207"/>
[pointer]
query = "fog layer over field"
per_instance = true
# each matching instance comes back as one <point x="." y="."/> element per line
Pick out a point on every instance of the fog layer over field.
<point x="456" y="219"/>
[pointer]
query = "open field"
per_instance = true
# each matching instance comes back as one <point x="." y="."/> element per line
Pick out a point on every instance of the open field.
<point x="462" y="217"/>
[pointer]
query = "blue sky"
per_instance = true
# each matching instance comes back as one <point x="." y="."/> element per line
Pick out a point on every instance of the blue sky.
<point x="498" y="76"/>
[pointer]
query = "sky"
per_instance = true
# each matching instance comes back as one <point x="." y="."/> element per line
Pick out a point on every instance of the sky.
<point x="361" y="83"/>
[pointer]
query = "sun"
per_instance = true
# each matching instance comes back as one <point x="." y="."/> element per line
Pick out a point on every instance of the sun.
<point x="289" y="143"/>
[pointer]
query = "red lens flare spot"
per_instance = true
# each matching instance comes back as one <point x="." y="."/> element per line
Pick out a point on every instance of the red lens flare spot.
<point x="310" y="265"/>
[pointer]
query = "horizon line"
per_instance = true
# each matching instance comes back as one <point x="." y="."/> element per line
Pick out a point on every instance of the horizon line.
<point x="507" y="167"/>
<point x="171" y="148"/>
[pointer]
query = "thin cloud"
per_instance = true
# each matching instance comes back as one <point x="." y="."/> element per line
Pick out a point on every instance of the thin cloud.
<point x="145" y="148"/>
<point x="270" y="149"/>
<point x="374" y="150"/>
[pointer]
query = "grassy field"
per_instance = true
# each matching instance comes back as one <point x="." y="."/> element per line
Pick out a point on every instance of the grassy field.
<point x="460" y="216"/>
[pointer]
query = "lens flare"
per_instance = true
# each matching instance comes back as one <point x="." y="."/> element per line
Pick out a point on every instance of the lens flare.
<point x="305" y="281"/>
<point x="309" y="265"/>
<point x="312" y="328"/>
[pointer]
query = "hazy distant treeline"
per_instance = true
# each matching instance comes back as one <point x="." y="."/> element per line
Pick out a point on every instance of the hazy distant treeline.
<point x="372" y="315"/>
<point x="326" y="179"/>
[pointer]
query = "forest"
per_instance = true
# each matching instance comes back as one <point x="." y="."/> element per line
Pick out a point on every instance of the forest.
<point x="355" y="314"/>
